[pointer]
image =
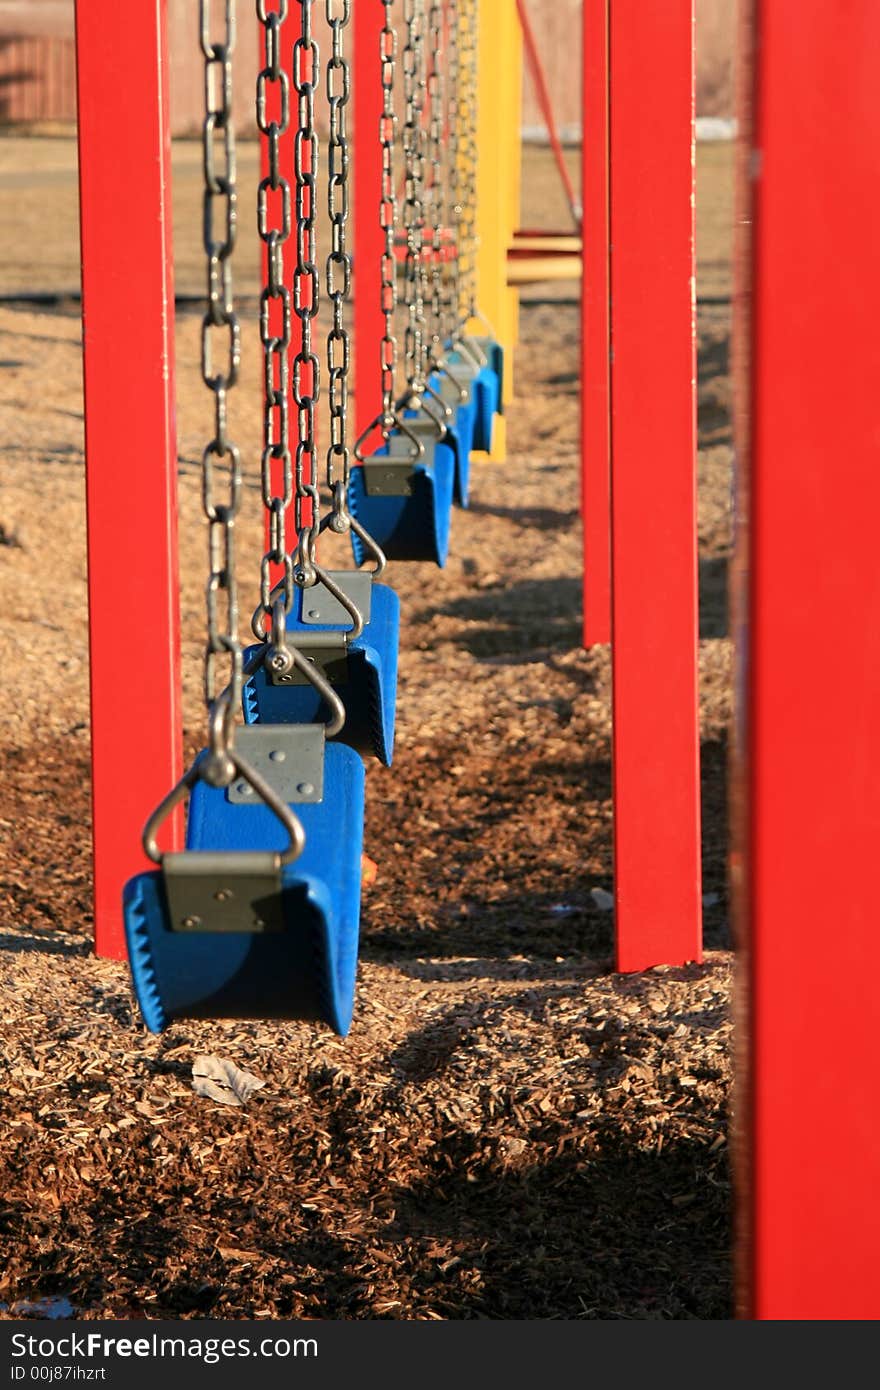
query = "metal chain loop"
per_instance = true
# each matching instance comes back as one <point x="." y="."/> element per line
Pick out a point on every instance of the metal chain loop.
<point x="338" y="260"/>
<point x="388" y="216"/>
<point x="436" y="190"/>
<point x="219" y="200"/>
<point x="453" y="155"/>
<point x="414" y="86"/>
<point x="275" y="304"/>
<point x="306" y="369"/>
<point x="467" y="106"/>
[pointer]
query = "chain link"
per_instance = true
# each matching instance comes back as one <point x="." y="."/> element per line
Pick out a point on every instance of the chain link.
<point x="414" y="86"/>
<point x="275" y="305"/>
<point x="306" y="370"/>
<point x="338" y="260"/>
<point x="453" y="156"/>
<point x="220" y="320"/>
<point x="467" y="108"/>
<point x="437" y="192"/>
<point x="388" y="215"/>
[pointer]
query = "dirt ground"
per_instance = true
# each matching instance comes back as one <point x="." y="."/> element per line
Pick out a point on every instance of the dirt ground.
<point x="511" y="1130"/>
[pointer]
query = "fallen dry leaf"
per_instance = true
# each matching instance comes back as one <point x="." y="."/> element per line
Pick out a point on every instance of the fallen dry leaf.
<point x="218" y="1079"/>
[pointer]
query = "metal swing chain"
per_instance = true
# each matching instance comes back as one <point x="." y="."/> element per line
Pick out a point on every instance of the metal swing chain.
<point x="456" y="121"/>
<point x="339" y="451"/>
<point x="220" y="763"/>
<point x="468" y="148"/>
<point x="388" y="217"/>
<point x="414" y="212"/>
<point x="276" y="346"/>
<point x="306" y="370"/>
<point x="338" y="260"/>
<point x="219" y="199"/>
<point x="436" y="100"/>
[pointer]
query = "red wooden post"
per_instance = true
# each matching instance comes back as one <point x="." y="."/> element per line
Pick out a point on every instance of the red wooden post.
<point x="811" y="1166"/>
<point x="131" y="453"/>
<point x="369" y="241"/>
<point x="595" y="354"/>
<point x="653" y="483"/>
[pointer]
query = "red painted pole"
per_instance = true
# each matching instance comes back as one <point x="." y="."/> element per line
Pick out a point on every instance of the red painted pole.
<point x="369" y="241"/>
<point x="811" y="1172"/>
<point x="286" y="148"/>
<point x="653" y="484"/>
<point x="131" y="452"/>
<point x="595" y="353"/>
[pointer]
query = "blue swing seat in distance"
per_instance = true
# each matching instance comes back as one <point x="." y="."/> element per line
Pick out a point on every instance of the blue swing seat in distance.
<point x="365" y="678"/>
<point x="459" y="431"/>
<point x="412" y="525"/>
<point x="485" y="391"/>
<point x="304" y="971"/>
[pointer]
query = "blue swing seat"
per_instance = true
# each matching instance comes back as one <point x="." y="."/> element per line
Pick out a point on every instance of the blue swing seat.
<point x="495" y="354"/>
<point x="304" y="971"/>
<point x="459" y="432"/>
<point x="367" y="676"/>
<point x="413" y="525"/>
<point x="485" y="389"/>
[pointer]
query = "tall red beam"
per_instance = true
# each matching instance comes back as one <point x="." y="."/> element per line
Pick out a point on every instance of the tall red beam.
<point x="810" y="1171"/>
<point x="653" y="483"/>
<point x="369" y="240"/>
<point x="289" y="32"/>
<point x="131" y="451"/>
<point x="595" y="353"/>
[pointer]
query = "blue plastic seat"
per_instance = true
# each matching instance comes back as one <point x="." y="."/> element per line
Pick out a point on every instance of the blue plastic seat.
<point x="307" y="969"/>
<point x="365" y="677"/>
<point x="459" y="430"/>
<point x="485" y="386"/>
<point x="411" y="524"/>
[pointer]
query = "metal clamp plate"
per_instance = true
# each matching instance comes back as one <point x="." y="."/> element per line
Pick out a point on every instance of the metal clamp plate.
<point x="462" y="369"/>
<point x="425" y="430"/>
<point x="290" y="757"/>
<point x="326" y="650"/>
<point x="388" y="477"/>
<point x="319" y="605"/>
<point x="215" y="892"/>
<point x="455" y="389"/>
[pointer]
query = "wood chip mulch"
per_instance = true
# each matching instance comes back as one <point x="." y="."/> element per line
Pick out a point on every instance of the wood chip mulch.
<point x="511" y="1130"/>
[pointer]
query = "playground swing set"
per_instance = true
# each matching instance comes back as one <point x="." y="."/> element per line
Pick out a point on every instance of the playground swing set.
<point x="259" y="913"/>
<point x="256" y="910"/>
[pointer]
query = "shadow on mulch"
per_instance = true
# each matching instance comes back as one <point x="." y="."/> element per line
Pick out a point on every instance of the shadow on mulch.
<point x="540" y="519"/>
<point x="714" y="602"/>
<point x="46" y="865"/>
<point x="577" y="1218"/>
<point x="521" y="620"/>
<point x="45" y="945"/>
<point x="501" y="859"/>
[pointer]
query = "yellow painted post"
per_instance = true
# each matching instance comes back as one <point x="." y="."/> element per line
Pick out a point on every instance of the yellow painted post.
<point x="499" y="120"/>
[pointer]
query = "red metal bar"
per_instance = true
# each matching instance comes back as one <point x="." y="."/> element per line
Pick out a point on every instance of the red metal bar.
<point x="811" y="1166"/>
<point x="369" y="325"/>
<point x="595" y="329"/>
<point x="653" y="484"/>
<point x="131" y="453"/>
<point x="542" y="92"/>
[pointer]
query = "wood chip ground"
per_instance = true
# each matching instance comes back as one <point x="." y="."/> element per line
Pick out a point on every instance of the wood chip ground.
<point x="511" y="1130"/>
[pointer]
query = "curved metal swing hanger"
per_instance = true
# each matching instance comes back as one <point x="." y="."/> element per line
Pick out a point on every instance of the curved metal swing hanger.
<point x="340" y="521"/>
<point x="471" y="349"/>
<point x="218" y="766"/>
<point x="414" y="397"/>
<point x="387" y="425"/>
<point x="283" y="657"/>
